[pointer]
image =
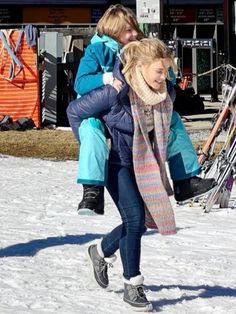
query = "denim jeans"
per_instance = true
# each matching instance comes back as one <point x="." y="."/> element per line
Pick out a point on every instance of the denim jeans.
<point x="127" y="236"/>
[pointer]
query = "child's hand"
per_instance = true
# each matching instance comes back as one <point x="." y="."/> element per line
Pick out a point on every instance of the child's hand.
<point x="117" y="84"/>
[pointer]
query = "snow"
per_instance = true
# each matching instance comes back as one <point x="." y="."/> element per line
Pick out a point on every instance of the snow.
<point x="43" y="264"/>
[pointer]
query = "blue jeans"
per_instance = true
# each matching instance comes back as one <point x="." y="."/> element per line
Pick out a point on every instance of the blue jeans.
<point x="127" y="236"/>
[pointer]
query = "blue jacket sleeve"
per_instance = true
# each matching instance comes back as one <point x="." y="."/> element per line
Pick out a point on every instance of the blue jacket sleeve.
<point x="90" y="105"/>
<point x="89" y="74"/>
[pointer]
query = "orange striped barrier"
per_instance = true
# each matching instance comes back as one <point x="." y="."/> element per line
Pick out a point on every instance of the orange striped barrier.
<point x="19" y="94"/>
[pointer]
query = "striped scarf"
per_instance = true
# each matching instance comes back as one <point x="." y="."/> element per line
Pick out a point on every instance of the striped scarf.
<point x="149" y="158"/>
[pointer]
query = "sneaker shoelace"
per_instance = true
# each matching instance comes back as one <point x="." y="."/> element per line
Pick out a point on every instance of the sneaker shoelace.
<point x="140" y="292"/>
<point x="103" y="265"/>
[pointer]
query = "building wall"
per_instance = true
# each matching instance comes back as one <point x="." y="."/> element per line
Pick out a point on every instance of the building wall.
<point x="196" y="20"/>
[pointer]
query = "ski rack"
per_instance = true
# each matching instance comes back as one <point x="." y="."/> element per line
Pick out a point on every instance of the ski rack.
<point x="223" y="168"/>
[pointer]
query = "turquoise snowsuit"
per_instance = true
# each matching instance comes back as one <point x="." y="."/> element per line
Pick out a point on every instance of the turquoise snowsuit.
<point x="99" y="58"/>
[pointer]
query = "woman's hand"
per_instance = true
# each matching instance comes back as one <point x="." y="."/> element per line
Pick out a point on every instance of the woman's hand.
<point x="117" y="84"/>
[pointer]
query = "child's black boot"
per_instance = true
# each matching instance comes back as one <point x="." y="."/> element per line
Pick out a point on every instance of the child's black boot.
<point x="93" y="200"/>
<point x="192" y="187"/>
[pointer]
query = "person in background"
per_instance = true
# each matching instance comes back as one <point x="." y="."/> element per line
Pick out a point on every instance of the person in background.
<point x="117" y="27"/>
<point x="136" y="113"/>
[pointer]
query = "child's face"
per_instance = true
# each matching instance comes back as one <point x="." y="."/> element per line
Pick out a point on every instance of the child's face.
<point x="129" y="34"/>
<point x="155" y="73"/>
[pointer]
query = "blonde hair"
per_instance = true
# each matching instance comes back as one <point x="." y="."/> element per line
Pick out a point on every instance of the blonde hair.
<point x="147" y="51"/>
<point x="114" y="20"/>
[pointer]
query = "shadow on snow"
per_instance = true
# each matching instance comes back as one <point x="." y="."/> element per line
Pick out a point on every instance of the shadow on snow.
<point x="31" y="248"/>
<point x="205" y="292"/>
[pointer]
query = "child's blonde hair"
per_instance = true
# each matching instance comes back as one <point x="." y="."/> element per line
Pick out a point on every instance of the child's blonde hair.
<point x="114" y="20"/>
<point x="147" y="50"/>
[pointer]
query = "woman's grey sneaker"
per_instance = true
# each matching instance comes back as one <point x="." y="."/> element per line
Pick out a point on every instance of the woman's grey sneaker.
<point x="93" y="200"/>
<point x="100" y="265"/>
<point x="134" y="295"/>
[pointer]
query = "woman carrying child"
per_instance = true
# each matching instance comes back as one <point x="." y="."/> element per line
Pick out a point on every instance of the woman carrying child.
<point x="136" y="111"/>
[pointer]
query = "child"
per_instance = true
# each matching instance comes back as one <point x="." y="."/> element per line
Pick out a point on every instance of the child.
<point x="116" y="28"/>
<point x="137" y="119"/>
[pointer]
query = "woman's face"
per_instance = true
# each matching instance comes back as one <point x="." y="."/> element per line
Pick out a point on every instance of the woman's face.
<point x="155" y="73"/>
<point x="129" y="34"/>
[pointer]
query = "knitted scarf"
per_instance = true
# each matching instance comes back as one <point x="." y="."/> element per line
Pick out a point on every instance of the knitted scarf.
<point x="149" y="158"/>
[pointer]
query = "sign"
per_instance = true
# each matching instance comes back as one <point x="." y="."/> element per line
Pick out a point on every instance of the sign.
<point x="182" y="15"/>
<point x="206" y="15"/>
<point x="148" y="11"/>
<point x="56" y="15"/>
<point x="197" y="43"/>
<point x="96" y="14"/>
<point x="10" y="15"/>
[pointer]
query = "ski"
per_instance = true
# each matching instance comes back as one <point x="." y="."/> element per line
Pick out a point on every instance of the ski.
<point x="226" y="168"/>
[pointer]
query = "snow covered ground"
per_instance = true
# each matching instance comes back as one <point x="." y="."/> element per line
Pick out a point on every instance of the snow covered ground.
<point x="43" y="267"/>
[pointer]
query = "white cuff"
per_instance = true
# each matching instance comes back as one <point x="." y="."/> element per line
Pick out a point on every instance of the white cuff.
<point x="111" y="259"/>
<point x="99" y="248"/>
<point x="108" y="78"/>
<point x="135" y="281"/>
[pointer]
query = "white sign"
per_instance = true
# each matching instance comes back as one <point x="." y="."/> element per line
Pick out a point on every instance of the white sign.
<point x="148" y="11"/>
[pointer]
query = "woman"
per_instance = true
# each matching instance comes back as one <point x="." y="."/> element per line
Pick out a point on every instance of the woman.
<point x="137" y="118"/>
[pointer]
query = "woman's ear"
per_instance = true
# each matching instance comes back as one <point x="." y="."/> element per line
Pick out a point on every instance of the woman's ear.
<point x="139" y="64"/>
